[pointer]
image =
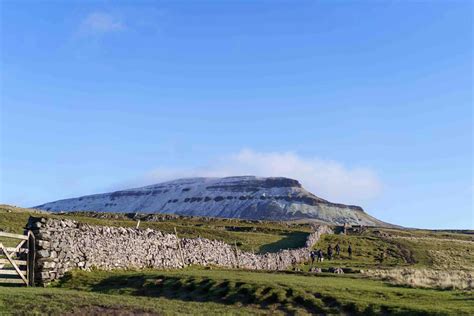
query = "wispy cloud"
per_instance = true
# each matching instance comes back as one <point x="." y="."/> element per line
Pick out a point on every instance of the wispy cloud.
<point x="100" y="23"/>
<point x="327" y="179"/>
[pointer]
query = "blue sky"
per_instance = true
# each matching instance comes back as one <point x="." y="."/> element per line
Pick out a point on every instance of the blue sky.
<point x="365" y="102"/>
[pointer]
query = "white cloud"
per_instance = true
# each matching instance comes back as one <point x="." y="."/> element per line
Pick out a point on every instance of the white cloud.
<point x="327" y="179"/>
<point x="100" y="23"/>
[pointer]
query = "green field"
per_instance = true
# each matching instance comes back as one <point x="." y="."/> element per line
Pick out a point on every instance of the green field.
<point x="216" y="292"/>
<point x="198" y="290"/>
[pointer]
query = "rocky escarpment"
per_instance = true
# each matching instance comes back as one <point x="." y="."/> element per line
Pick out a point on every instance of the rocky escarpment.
<point x="63" y="245"/>
<point x="233" y="197"/>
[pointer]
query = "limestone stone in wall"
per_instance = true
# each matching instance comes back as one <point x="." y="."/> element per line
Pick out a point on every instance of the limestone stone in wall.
<point x="63" y="245"/>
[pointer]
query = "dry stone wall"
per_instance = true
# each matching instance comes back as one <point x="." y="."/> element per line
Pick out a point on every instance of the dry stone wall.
<point x="63" y="245"/>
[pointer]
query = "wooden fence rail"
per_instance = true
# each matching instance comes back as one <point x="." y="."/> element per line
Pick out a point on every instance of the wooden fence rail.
<point x="17" y="263"/>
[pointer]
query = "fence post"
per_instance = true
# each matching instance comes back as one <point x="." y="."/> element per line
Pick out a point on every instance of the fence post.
<point x="31" y="258"/>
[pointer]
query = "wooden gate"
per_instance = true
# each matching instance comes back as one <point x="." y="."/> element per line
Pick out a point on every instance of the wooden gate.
<point x="17" y="258"/>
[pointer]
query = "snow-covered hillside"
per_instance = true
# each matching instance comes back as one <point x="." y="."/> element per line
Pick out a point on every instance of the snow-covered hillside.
<point x="246" y="197"/>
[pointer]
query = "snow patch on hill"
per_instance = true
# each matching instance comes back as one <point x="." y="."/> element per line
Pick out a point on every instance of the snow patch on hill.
<point x="234" y="197"/>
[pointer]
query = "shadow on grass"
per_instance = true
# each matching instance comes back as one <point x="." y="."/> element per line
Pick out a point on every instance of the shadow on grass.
<point x="219" y="291"/>
<point x="287" y="299"/>
<point x="290" y="241"/>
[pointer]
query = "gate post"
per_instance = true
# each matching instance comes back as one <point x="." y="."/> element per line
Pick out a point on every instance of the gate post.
<point x="31" y="258"/>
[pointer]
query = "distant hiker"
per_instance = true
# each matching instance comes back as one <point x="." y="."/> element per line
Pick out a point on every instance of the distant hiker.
<point x="319" y="253"/>
<point x="329" y="252"/>
<point x="313" y="256"/>
<point x="349" y="251"/>
<point x="338" y="249"/>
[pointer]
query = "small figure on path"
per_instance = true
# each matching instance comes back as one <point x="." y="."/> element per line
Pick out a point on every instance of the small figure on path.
<point x="329" y="252"/>
<point x="349" y="251"/>
<point x="338" y="249"/>
<point x="313" y="256"/>
<point x="320" y="255"/>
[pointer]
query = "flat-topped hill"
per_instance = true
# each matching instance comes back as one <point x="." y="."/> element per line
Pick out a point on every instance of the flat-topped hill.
<point x="245" y="197"/>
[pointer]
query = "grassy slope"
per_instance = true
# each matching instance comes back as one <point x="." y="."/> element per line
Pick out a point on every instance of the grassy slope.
<point x="264" y="236"/>
<point x="217" y="292"/>
<point x="288" y="293"/>
<point x="388" y="248"/>
<point x="53" y="301"/>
